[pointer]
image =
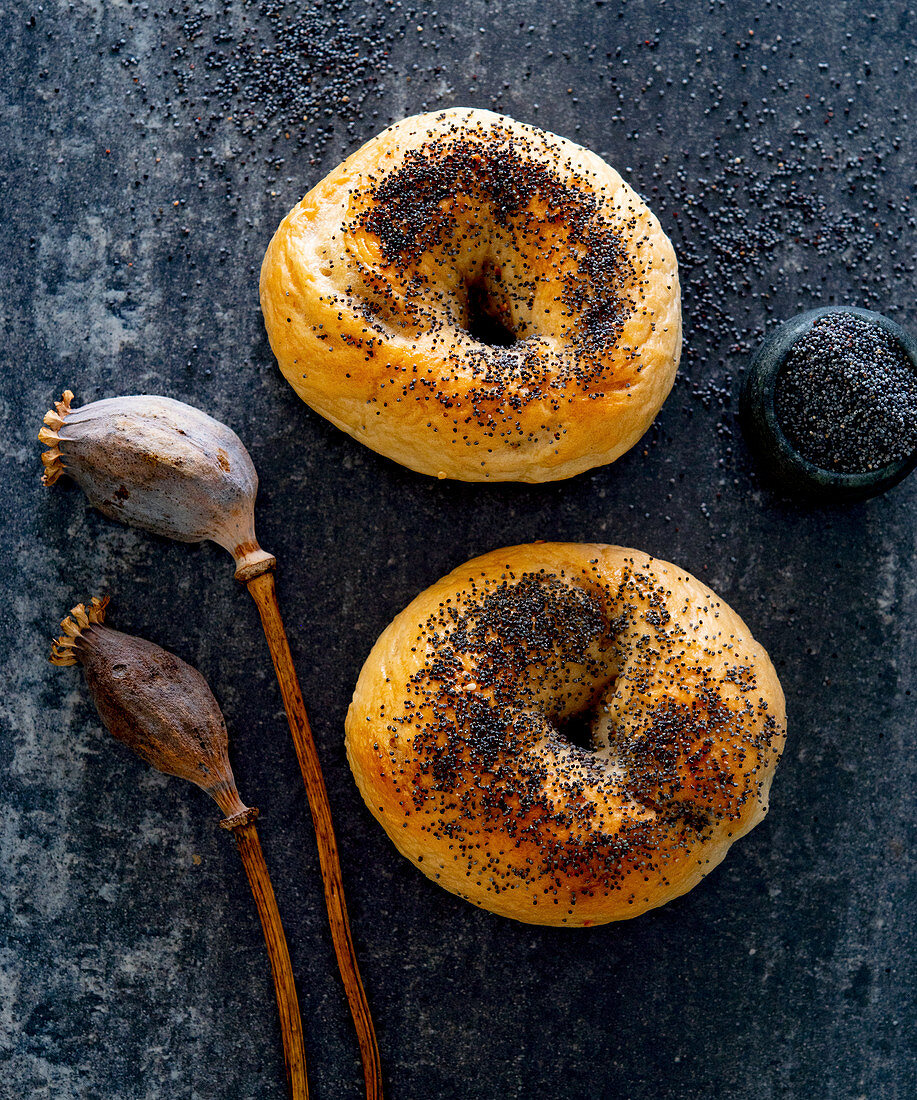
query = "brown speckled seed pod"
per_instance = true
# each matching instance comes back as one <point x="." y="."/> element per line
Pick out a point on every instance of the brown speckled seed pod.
<point x="163" y="709"/>
<point x="152" y="701"/>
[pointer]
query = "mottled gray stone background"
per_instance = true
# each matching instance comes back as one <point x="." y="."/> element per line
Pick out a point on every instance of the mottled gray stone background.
<point x="144" y="165"/>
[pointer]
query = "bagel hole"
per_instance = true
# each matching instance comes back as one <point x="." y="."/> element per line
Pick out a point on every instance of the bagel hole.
<point x="577" y="729"/>
<point x="484" y="322"/>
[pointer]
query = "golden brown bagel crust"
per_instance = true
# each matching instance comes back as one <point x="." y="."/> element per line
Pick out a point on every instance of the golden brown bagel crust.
<point x="455" y="733"/>
<point x="369" y="284"/>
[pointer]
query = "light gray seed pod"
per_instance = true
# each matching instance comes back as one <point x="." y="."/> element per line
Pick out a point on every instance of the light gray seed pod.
<point x="159" y="464"/>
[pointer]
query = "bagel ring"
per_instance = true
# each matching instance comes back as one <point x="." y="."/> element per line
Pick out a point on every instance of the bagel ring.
<point x="459" y="733"/>
<point x="476" y="299"/>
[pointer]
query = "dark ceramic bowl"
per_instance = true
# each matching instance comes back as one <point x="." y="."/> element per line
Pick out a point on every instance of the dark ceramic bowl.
<point x="777" y="456"/>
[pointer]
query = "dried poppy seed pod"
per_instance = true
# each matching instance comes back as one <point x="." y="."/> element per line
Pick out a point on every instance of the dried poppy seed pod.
<point x="163" y="709"/>
<point x="154" y="702"/>
<point x="162" y="465"/>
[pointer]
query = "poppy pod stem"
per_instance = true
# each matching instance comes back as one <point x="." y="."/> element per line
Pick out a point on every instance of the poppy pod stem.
<point x="264" y="592"/>
<point x="163" y="709"/>
<point x="242" y="827"/>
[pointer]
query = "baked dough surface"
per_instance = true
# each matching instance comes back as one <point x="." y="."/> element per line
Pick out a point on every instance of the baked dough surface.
<point x="462" y="734"/>
<point x="476" y="299"/>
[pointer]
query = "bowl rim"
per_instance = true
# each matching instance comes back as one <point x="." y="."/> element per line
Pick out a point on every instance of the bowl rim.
<point x="780" y="341"/>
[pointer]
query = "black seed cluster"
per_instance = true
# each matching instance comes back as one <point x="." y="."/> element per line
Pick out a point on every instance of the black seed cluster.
<point x="284" y="71"/>
<point x="478" y="741"/>
<point x="465" y="188"/>
<point x="787" y="201"/>
<point x="846" y="396"/>
<point x="416" y="211"/>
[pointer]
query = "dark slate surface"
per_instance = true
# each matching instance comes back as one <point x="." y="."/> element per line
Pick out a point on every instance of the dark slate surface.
<point x="779" y="150"/>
